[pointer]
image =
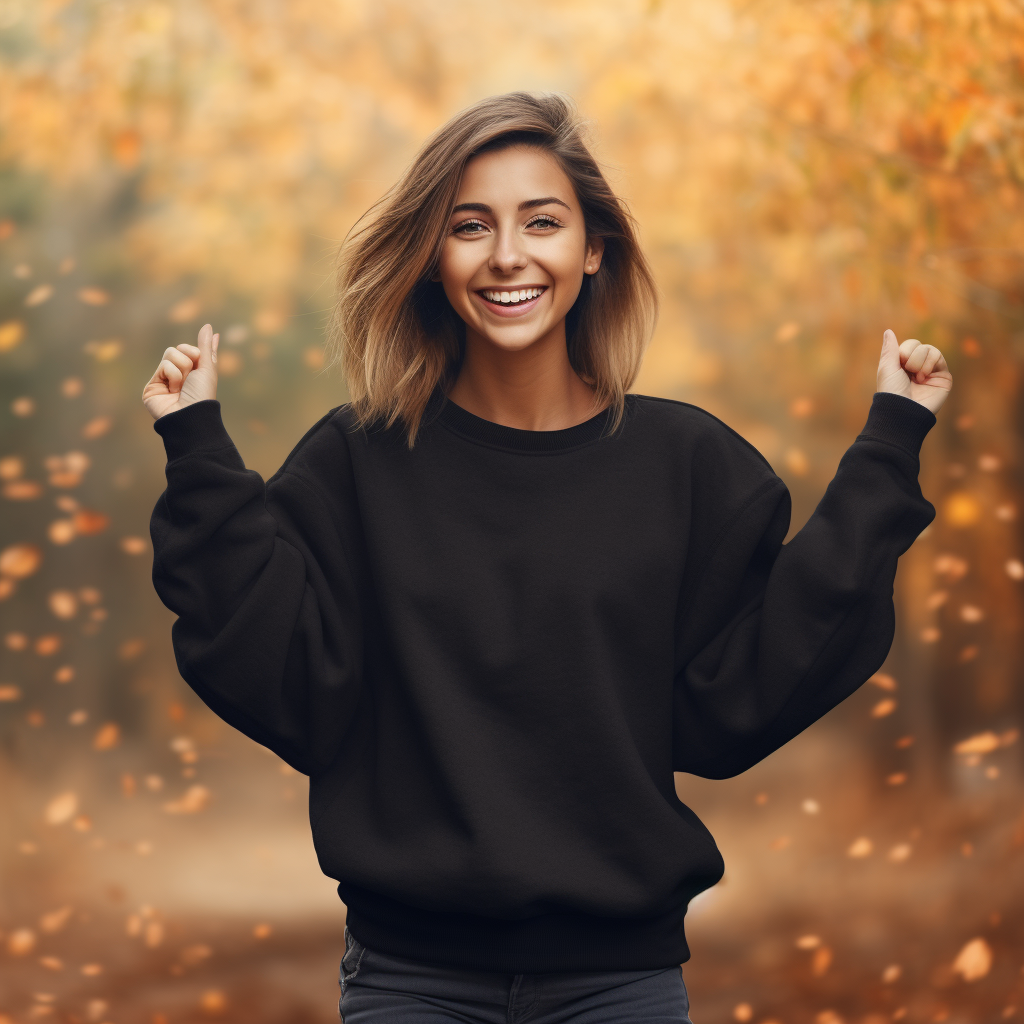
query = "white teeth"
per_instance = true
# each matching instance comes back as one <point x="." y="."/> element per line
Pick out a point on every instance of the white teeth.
<point x="509" y="298"/>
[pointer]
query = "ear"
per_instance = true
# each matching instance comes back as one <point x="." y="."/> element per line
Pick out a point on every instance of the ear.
<point x="592" y="259"/>
<point x="436" y="277"/>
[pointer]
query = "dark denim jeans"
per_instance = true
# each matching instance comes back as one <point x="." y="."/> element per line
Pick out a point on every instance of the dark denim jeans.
<point x="377" y="988"/>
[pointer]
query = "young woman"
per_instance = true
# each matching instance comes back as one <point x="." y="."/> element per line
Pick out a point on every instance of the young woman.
<point x="492" y="604"/>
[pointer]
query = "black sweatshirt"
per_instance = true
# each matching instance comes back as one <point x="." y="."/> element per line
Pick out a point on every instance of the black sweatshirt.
<point x="489" y="653"/>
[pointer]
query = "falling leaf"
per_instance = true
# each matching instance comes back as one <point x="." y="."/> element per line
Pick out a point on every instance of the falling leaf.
<point x="128" y="784"/>
<point x="97" y="427"/>
<point x="821" y="961"/>
<point x="21" y="942"/>
<point x="192" y="956"/>
<point x="742" y="1012"/>
<point x="93" y="296"/>
<point x="981" y="743"/>
<point x="88" y="523"/>
<point x="63" y="603"/>
<point x="896" y="778"/>
<point x="23" y="490"/>
<point x="213" y="1002"/>
<point x="883" y="681"/>
<point x="899" y="853"/>
<point x="92" y="970"/>
<point x="961" y="509"/>
<point x="9" y="692"/>
<point x="61" y="531"/>
<point x="810" y="806"/>
<point x="952" y="566"/>
<point x="134" y="545"/>
<point x="107" y="737"/>
<point x="78" y="717"/>
<point x="55" y="920"/>
<point x="61" y="808"/>
<point x="884" y="707"/>
<point x="129" y="649"/>
<point x="194" y="800"/>
<point x="313" y="358"/>
<point x="262" y="931"/>
<point x="828" y="1017"/>
<point x="184" y="310"/>
<point x="860" y="847"/>
<point x="904" y="742"/>
<point x="808" y="942"/>
<point x="936" y="600"/>
<point x="974" y="961"/>
<point x="23" y="406"/>
<point x="12" y="333"/>
<point x="52" y="963"/>
<point x="1006" y="512"/>
<point x="971" y="613"/>
<point x="20" y="560"/>
<point x="891" y="974"/>
<point x="1014" y="568"/>
<point x="71" y="387"/>
<point x="989" y="463"/>
<point x="39" y="295"/>
<point x="104" y="351"/>
<point x="153" y="934"/>
<point x="967" y="654"/>
<point x="801" y="408"/>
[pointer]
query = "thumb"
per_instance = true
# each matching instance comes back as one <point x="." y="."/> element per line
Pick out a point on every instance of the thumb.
<point x="890" y="370"/>
<point x="205" y="340"/>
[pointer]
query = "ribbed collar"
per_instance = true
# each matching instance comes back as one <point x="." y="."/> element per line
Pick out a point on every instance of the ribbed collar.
<point x="513" y="439"/>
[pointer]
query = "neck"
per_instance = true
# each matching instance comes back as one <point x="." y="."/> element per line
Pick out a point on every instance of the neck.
<point x="534" y="388"/>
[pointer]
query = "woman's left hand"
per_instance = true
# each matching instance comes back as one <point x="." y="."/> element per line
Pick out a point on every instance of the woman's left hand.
<point x="915" y="371"/>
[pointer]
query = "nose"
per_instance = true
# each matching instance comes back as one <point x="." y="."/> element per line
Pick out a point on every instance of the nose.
<point x="507" y="256"/>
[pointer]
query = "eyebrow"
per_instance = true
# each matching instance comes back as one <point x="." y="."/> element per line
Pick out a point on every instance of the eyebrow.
<point x="526" y="204"/>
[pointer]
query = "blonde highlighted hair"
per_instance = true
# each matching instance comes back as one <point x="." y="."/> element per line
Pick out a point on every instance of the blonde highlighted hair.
<point x="393" y="330"/>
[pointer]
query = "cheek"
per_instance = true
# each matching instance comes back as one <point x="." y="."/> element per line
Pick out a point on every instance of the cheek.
<point x="456" y="266"/>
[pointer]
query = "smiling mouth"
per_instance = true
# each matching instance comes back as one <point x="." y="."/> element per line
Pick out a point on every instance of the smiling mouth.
<point x="513" y="297"/>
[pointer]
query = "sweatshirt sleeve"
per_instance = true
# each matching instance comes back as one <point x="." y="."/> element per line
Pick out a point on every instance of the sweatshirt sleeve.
<point x="775" y="635"/>
<point x="268" y="624"/>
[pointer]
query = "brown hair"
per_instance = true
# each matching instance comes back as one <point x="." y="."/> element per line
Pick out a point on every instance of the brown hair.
<point x="393" y="329"/>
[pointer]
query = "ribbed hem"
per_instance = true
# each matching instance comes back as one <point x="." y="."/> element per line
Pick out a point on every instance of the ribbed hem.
<point x="197" y="427"/>
<point x="899" y="421"/>
<point x="536" y="945"/>
<point x="496" y="435"/>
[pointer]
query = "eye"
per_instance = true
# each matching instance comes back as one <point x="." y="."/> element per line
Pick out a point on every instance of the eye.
<point x="543" y="221"/>
<point x="469" y="227"/>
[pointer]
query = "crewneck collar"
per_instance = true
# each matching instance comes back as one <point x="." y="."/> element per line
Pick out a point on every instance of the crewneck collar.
<point x="514" y="439"/>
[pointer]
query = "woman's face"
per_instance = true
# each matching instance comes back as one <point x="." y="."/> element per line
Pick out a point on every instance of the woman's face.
<point x="516" y="249"/>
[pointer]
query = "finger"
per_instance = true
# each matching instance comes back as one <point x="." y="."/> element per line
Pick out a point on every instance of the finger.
<point x="180" y="359"/>
<point x="916" y="360"/>
<point x="931" y="360"/>
<point x="171" y="374"/>
<point x="907" y="348"/>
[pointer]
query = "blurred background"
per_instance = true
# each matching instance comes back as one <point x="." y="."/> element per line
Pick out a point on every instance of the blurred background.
<point x="806" y="173"/>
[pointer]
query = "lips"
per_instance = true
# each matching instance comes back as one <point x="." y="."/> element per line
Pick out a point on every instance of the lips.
<point x="508" y="302"/>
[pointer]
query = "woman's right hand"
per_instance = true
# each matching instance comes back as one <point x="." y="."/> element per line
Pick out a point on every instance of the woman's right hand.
<point x="186" y="374"/>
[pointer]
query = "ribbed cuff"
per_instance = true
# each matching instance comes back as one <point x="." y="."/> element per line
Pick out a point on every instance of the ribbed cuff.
<point x="197" y="427"/>
<point x="899" y="421"/>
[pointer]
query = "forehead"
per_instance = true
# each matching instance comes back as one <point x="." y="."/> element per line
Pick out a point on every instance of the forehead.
<point x="509" y="176"/>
